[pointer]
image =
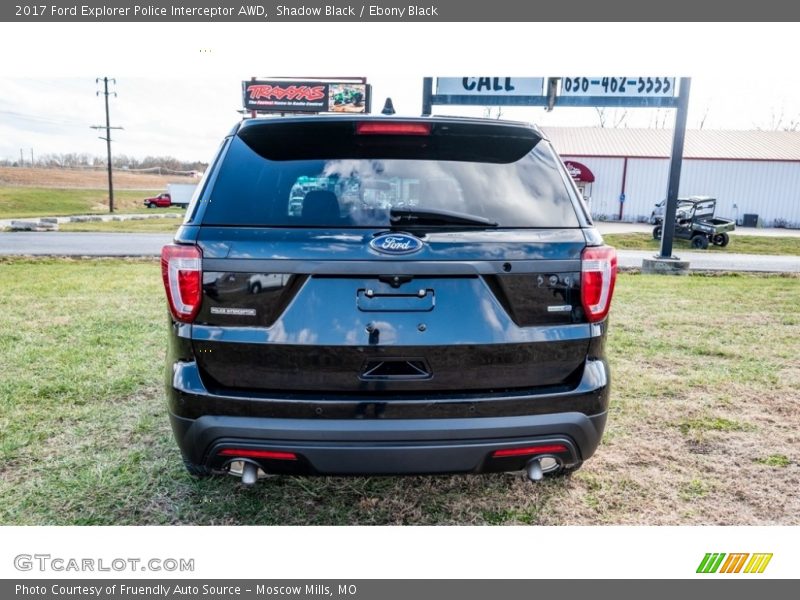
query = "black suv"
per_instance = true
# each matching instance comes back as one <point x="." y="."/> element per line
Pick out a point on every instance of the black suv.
<point x="354" y="295"/>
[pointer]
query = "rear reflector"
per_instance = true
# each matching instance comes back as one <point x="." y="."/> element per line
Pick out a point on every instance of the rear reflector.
<point x="392" y="128"/>
<point x="182" y="275"/>
<point x="250" y="453"/>
<point x="530" y="451"/>
<point x="598" y="276"/>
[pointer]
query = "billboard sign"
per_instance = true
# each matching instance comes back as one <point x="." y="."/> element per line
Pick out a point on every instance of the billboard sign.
<point x="489" y="86"/>
<point x="305" y="96"/>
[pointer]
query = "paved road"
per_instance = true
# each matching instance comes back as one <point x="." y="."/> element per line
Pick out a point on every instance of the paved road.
<point x="713" y="261"/>
<point x="605" y="227"/>
<point x="82" y="244"/>
<point x="609" y="227"/>
<point x="149" y="244"/>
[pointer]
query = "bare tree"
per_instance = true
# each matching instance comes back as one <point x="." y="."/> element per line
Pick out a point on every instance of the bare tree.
<point x="613" y="118"/>
<point x="78" y="160"/>
<point x="779" y="122"/>
<point x="601" y="114"/>
<point x="703" y="119"/>
<point x="488" y="111"/>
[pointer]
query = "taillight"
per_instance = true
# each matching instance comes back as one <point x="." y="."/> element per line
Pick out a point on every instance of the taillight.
<point x="598" y="276"/>
<point x="392" y="128"/>
<point x="182" y="274"/>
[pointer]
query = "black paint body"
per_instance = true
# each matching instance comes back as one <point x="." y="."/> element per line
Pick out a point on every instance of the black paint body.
<point x="362" y="362"/>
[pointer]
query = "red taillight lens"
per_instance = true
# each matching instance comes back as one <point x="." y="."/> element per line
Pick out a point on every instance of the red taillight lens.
<point x="392" y="128"/>
<point x="530" y="451"/>
<point x="249" y="453"/>
<point x="182" y="274"/>
<point x="598" y="276"/>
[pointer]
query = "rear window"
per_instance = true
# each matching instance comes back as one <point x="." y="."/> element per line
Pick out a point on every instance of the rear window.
<point x="324" y="174"/>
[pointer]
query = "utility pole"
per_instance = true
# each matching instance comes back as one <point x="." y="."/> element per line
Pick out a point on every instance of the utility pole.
<point x="21" y="159"/>
<point x="31" y="156"/>
<point x="108" y="129"/>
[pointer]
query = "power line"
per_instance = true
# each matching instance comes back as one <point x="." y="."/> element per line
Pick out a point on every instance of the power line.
<point x="40" y="119"/>
<point x="108" y="129"/>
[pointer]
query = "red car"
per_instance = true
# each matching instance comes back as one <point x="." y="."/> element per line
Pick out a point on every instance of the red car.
<point x="160" y="201"/>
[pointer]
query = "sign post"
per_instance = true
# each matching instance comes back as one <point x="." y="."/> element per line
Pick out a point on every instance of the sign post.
<point x="678" y="137"/>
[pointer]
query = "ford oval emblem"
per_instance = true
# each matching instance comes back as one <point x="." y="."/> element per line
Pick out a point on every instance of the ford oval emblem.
<point x="396" y="243"/>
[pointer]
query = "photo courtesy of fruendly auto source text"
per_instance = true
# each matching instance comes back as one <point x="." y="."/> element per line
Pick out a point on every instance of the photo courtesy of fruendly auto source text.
<point x="316" y="279"/>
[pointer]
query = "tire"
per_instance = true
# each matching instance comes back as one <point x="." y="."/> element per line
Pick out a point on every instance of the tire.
<point x="199" y="471"/>
<point x="700" y="241"/>
<point x="151" y="205"/>
<point x="657" y="232"/>
<point x="721" y="240"/>
<point x="255" y="288"/>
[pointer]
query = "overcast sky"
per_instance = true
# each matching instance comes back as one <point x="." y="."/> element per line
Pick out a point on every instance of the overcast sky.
<point x="187" y="118"/>
<point x="179" y="86"/>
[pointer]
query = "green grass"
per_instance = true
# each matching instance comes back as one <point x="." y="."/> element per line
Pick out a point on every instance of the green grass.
<point x="696" y="488"/>
<point x="144" y="226"/>
<point x="712" y="424"/>
<point x="775" y="460"/>
<point x="52" y="202"/>
<point x="705" y="376"/>
<point x="739" y="244"/>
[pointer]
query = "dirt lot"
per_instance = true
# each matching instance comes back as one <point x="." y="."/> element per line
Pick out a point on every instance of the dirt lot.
<point x="86" y="178"/>
<point x="704" y="426"/>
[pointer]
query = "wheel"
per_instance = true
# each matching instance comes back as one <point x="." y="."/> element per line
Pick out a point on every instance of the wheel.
<point x="255" y="288"/>
<point x="657" y="232"/>
<point x="194" y="470"/>
<point x="151" y="205"/>
<point x="700" y="241"/>
<point x="721" y="239"/>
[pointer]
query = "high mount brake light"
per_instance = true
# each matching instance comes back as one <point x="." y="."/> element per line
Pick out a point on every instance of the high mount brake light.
<point x="392" y="128"/>
<point x="182" y="275"/>
<point x="598" y="276"/>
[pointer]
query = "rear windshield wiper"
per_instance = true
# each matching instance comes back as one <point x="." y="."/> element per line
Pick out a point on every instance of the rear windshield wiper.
<point x="405" y="217"/>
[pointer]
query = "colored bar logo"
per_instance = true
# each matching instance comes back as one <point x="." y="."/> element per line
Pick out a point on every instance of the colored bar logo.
<point x="719" y="562"/>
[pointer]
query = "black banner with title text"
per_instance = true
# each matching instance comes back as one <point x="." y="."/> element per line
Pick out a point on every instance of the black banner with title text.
<point x="395" y="11"/>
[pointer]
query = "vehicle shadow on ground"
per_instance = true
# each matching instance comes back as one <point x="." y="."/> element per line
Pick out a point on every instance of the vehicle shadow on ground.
<point x="454" y="499"/>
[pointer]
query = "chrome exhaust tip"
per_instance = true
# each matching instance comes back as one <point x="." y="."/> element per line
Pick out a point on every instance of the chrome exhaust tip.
<point x="533" y="470"/>
<point x="249" y="474"/>
<point x="248" y="471"/>
<point x="536" y="468"/>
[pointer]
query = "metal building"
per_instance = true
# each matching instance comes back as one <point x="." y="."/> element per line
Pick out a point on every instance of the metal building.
<point x="623" y="172"/>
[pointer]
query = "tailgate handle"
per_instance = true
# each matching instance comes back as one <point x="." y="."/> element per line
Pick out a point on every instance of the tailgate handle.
<point x="369" y="301"/>
<point x="395" y="369"/>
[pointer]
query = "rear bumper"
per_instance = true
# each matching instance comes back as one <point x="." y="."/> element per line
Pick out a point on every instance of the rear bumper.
<point x="364" y="435"/>
<point x="350" y="447"/>
<point x="189" y="398"/>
